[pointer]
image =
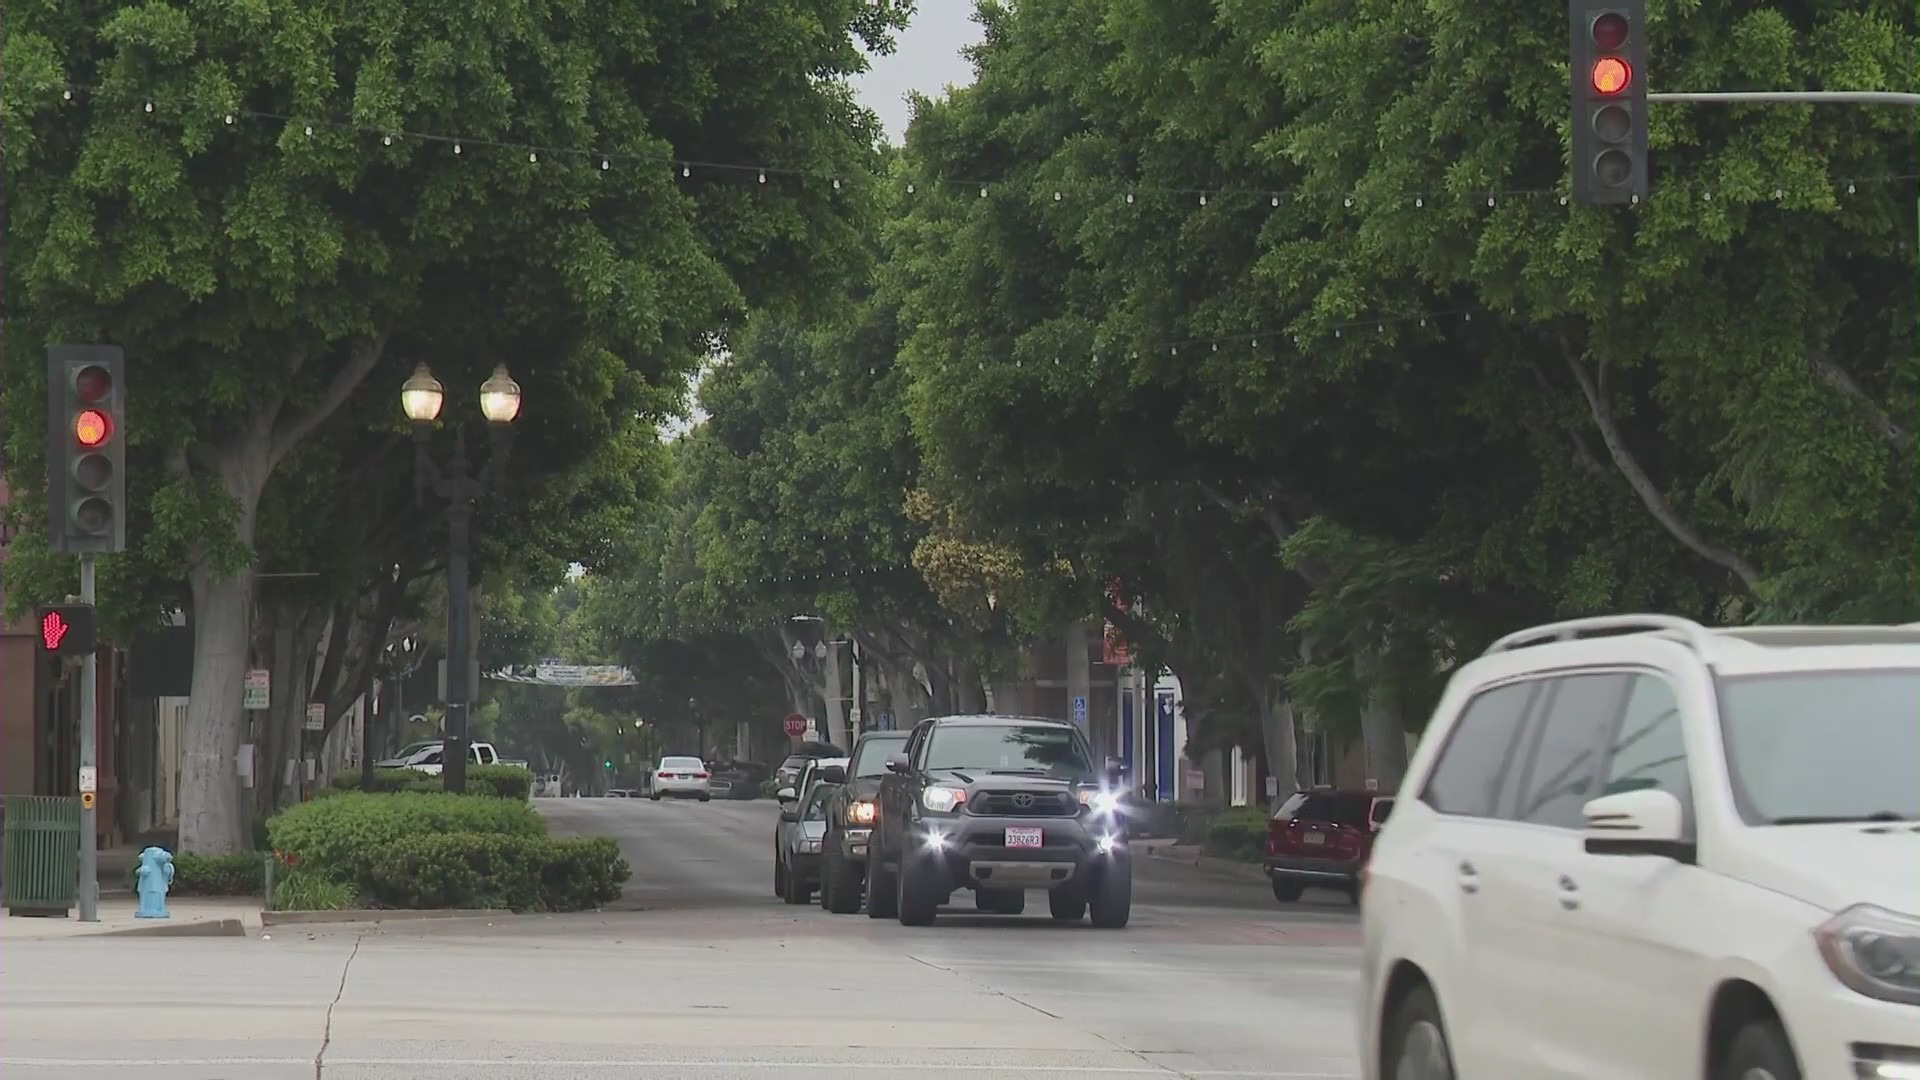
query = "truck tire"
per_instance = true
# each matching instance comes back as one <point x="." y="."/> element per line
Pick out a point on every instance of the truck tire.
<point x="840" y="881"/>
<point x="1111" y="901"/>
<point x="919" y="893"/>
<point x="1066" y="904"/>
<point x="1000" y="901"/>
<point x="882" y="896"/>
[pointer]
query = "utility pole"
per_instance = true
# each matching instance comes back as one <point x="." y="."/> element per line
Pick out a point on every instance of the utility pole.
<point x="89" y="712"/>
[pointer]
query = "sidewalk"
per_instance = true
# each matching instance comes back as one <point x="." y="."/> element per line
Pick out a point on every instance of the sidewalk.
<point x="190" y="917"/>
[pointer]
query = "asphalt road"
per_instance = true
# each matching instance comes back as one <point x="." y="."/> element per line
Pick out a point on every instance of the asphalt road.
<point x="700" y="973"/>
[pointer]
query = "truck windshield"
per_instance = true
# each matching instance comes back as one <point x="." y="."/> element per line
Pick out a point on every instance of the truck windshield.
<point x="870" y="756"/>
<point x="1055" y="751"/>
<point x="1809" y="747"/>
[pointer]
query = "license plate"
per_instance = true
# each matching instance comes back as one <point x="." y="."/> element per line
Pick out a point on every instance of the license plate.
<point x="1023" y="838"/>
<point x="1314" y="838"/>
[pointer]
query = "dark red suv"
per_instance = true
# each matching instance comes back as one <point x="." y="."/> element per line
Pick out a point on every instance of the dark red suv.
<point x="1323" y="838"/>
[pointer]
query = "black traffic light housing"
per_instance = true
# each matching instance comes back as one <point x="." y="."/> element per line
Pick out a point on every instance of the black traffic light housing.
<point x="87" y="449"/>
<point x="1608" y="66"/>
<point x="66" y="630"/>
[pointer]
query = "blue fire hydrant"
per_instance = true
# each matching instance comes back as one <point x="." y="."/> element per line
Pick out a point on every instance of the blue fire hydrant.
<point x="152" y="878"/>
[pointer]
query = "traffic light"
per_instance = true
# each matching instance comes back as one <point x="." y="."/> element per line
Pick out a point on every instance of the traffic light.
<point x="609" y="763"/>
<point x="1608" y="64"/>
<point x="87" y="448"/>
<point x="66" y="629"/>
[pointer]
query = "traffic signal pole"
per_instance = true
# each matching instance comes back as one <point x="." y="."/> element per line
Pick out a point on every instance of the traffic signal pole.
<point x="1798" y="97"/>
<point x="89" y="855"/>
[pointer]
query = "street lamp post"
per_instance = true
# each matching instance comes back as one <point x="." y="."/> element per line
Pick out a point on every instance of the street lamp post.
<point x="421" y="397"/>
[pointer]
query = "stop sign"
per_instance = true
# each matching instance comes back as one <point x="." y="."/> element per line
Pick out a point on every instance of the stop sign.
<point x="794" y="725"/>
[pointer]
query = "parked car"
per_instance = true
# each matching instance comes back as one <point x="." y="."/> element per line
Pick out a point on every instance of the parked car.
<point x="815" y="784"/>
<point x="998" y="805"/>
<point x="800" y="833"/>
<point x="788" y="774"/>
<point x="850" y="816"/>
<point x="743" y="779"/>
<point x="1323" y="838"/>
<point x="681" y="777"/>
<point x="1637" y="847"/>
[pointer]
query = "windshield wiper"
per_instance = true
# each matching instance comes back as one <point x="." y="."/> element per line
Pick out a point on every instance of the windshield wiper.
<point x="1841" y="819"/>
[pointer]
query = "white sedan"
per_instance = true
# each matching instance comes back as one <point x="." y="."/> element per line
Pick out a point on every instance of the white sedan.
<point x="682" y="777"/>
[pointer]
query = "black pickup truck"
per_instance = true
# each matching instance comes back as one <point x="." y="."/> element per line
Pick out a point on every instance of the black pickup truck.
<point x="850" y="818"/>
<point x="999" y="805"/>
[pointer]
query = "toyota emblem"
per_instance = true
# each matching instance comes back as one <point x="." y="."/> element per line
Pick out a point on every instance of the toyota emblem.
<point x="1023" y="800"/>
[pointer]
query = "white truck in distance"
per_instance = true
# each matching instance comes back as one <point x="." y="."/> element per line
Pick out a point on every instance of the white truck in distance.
<point x="427" y="757"/>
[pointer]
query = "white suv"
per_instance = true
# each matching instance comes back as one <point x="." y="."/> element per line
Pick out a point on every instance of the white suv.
<point x="1633" y="848"/>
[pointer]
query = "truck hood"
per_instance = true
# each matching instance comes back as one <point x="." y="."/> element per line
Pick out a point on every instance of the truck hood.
<point x="1836" y="866"/>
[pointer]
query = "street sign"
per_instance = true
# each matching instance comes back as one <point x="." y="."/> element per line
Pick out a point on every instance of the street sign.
<point x="316" y="717"/>
<point x="886" y="721"/>
<point x="89" y="779"/>
<point x="813" y="728"/>
<point x="258" y="695"/>
<point x="1273" y="787"/>
<point x="794" y="725"/>
<point x="1079" y="710"/>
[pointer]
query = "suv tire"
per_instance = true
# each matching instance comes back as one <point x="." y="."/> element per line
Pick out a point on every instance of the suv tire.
<point x="919" y="895"/>
<point x="1111" y="900"/>
<point x="1417" y="1031"/>
<point x="1066" y="904"/>
<point x="882" y="899"/>
<point x="655" y="796"/>
<point x="839" y="881"/>
<point x="1760" y="1047"/>
<point x="1287" y="891"/>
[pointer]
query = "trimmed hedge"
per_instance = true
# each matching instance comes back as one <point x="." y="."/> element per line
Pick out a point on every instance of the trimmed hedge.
<point x="336" y="835"/>
<point x="212" y="875"/>
<point x="497" y="781"/>
<point x="469" y="870"/>
<point x="1239" y="833"/>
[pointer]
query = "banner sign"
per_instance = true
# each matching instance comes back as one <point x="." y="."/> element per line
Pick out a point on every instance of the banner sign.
<point x="554" y="674"/>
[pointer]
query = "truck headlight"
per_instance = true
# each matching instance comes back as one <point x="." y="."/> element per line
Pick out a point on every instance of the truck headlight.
<point x="1100" y="802"/>
<point x="943" y="800"/>
<point x="1873" y="951"/>
<point x="861" y="812"/>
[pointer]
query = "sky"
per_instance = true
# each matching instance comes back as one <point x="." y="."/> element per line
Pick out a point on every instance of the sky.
<point x="926" y="58"/>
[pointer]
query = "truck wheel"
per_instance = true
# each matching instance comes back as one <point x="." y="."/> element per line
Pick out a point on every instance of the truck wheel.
<point x="1287" y="891"/>
<point x="1066" y="904"/>
<point x="919" y="893"/>
<point x="840" y="884"/>
<point x="1000" y="901"/>
<point x="882" y="897"/>
<point x="1112" y="898"/>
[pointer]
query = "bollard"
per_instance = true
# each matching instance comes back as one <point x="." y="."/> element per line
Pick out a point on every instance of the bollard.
<point x="152" y="877"/>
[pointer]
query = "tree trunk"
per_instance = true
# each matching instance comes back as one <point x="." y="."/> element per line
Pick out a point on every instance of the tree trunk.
<point x="836" y="703"/>
<point x="293" y="641"/>
<point x="970" y="694"/>
<point x="1278" y="732"/>
<point x="1385" y="738"/>
<point x="210" y="806"/>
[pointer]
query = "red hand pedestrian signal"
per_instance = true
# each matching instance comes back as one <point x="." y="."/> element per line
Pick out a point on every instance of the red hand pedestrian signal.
<point x="53" y="628"/>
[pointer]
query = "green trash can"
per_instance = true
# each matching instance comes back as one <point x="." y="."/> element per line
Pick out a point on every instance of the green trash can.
<point x="41" y="870"/>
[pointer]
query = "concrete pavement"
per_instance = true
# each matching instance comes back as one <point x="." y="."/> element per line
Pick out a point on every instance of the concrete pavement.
<point x="701" y="973"/>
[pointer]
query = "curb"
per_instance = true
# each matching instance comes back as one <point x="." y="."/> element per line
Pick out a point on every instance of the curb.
<point x="1229" y="867"/>
<point x="198" y="928"/>
<point x="375" y="915"/>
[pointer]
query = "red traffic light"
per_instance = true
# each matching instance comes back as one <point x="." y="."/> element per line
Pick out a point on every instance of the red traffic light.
<point x="91" y="383"/>
<point x="92" y="427"/>
<point x="1611" y="75"/>
<point x="53" y="630"/>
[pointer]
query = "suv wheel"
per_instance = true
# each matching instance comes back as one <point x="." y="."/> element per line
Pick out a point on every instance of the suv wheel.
<point x="882" y="897"/>
<point x="1066" y="904"/>
<point x="840" y="881"/>
<point x="1416" y="1043"/>
<point x="1287" y="891"/>
<point x="1111" y="900"/>
<point x="1759" y="1051"/>
<point x="919" y="895"/>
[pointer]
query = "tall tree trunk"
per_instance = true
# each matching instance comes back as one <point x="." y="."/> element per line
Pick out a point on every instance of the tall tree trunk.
<point x="1279" y="733"/>
<point x="1385" y="738"/>
<point x="835" y="699"/>
<point x="210" y="808"/>
<point x="970" y="694"/>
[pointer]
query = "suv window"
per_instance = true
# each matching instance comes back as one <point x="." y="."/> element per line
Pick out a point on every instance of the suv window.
<point x="817" y="804"/>
<point x="871" y="754"/>
<point x="1790" y="736"/>
<point x="1332" y="808"/>
<point x="1479" y="752"/>
<point x="1564" y="751"/>
<point x="1650" y="749"/>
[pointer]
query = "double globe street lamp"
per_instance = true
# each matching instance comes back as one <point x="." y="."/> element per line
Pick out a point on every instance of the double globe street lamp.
<point x="421" y="398"/>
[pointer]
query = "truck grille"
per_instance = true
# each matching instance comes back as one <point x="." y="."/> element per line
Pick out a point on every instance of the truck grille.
<point x="1008" y="804"/>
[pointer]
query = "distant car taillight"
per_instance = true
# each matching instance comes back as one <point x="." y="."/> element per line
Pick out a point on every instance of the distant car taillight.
<point x="699" y="776"/>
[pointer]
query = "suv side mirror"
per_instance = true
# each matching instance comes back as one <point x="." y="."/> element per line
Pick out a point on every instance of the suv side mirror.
<point x="786" y="795"/>
<point x="898" y="763"/>
<point x="1645" y="822"/>
<point x="833" y="774"/>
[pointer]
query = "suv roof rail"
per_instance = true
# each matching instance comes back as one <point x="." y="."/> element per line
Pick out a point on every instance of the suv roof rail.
<point x="1696" y="636"/>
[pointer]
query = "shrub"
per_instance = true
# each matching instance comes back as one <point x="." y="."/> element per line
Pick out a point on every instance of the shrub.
<point x="1239" y="833"/>
<point x="212" y="875"/>
<point x="498" y="781"/>
<point x="493" y="870"/>
<point x="308" y="890"/>
<point x="335" y="836"/>
<point x="769" y="787"/>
